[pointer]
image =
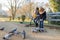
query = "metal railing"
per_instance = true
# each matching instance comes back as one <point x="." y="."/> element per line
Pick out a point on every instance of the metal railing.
<point x="53" y="16"/>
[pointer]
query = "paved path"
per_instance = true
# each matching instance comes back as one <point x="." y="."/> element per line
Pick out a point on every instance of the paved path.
<point x="51" y="34"/>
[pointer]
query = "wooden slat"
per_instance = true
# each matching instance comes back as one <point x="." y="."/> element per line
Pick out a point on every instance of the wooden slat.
<point x="50" y="15"/>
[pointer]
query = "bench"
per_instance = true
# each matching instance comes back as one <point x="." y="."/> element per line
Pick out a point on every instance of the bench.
<point x="53" y="17"/>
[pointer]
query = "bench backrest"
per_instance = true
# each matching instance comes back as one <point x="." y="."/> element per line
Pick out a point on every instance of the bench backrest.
<point x="53" y="16"/>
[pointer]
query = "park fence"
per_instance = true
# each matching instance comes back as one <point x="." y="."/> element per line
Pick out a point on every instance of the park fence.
<point x="53" y="18"/>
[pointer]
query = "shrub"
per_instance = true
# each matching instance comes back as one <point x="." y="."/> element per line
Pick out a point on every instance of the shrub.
<point x="18" y="18"/>
<point x="23" y="17"/>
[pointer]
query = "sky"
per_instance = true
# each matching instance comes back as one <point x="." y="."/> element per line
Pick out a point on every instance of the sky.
<point x="40" y="1"/>
<point x="4" y="2"/>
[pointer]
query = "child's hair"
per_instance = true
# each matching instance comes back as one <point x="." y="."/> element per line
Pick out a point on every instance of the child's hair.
<point x="41" y="9"/>
<point x="37" y="8"/>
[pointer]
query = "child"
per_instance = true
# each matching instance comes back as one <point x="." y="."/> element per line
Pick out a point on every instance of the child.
<point x="36" y="19"/>
<point x="36" y="16"/>
<point x="42" y="18"/>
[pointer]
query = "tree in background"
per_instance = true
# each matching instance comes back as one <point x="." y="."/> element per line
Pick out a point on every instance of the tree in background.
<point x="13" y="6"/>
<point x="55" y="5"/>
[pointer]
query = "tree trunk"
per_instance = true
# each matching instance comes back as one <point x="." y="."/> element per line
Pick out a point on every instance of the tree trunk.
<point x="10" y="18"/>
<point x="13" y="16"/>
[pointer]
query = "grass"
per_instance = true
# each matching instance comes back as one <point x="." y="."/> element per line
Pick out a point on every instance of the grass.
<point x="27" y="21"/>
<point x="16" y="20"/>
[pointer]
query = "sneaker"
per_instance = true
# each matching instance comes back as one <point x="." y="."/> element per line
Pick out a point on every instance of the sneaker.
<point x="34" y="30"/>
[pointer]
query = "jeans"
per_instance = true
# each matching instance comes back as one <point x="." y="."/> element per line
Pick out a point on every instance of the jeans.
<point x="36" y="24"/>
<point x="36" y="21"/>
<point x="41" y="24"/>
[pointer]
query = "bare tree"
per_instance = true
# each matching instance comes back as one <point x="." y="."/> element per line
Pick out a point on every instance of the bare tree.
<point x="13" y="6"/>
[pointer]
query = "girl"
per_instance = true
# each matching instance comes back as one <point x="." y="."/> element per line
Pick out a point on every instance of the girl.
<point x="42" y="18"/>
<point x="36" y="16"/>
